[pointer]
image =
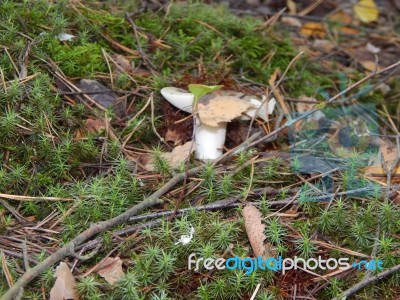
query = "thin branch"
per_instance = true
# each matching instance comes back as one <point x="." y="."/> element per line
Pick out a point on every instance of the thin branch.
<point x="152" y="123"/>
<point x="355" y="288"/>
<point x="95" y="229"/>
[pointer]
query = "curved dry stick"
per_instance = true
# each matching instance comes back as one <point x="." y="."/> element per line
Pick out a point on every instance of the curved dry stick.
<point x="95" y="229"/>
<point x="355" y="288"/>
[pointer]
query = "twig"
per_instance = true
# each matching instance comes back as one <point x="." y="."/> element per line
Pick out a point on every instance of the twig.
<point x="16" y="214"/>
<point x="307" y="114"/>
<point x="152" y="123"/>
<point x="389" y="171"/>
<point x="23" y="60"/>
<point x="95" y="229"/>
<point x="274" y="88"/>
<point x="28" y="198"/>
<point x="25" y="253"/>
<point x="87" y="256"/>
<point x="109" y="68"/>
<point x="355" y="288"/>
<point x="17" y="255"/>
<point x="146" y="60"/>
<point x="6" y="271"/>
<point x="255" y="292"/>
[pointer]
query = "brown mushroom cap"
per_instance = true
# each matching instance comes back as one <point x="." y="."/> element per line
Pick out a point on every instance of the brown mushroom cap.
<point x="215" y="108"/>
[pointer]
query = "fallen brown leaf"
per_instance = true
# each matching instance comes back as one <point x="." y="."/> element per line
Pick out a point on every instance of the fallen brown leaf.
<point x="94" y="125"/>
<point x="179" y="154"/>
<point x="370" y="65"/>
<point x="277" y="93"/>
<point x="313" y="29"/>
<point x="122" y="62"/>
<point x="291" y="21"/>
<point x="173" y="136"/>
<point x="111" y="269"/>
<point x="349" y="30"/>
<point x="174" y="158"/>
<point x="255" y="231"/>
<point x="292" y="7"/>
<point x="65" y="286"/>
<point x="396" y="198"/>
<point x="387" y="151"/>
<point x="324" y="45"/>
<point x="306" y="106"/>
<point x="341" y="17"/>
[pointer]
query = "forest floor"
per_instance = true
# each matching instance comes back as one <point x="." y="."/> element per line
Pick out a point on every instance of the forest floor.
<point x="99" y="200"/>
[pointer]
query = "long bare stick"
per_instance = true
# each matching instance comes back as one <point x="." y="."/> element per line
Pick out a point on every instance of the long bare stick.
<point x="95" y="229"/>
<point x="355" y="288"/>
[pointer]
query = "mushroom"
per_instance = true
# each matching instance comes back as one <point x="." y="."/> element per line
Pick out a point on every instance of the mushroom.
<point x="215" y="110"/>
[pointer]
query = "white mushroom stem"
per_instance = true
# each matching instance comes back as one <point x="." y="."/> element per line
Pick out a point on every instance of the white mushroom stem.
<point x="210" y="140"/>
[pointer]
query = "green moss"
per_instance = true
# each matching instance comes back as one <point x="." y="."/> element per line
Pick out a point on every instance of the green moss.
<point x="41" y="152"/>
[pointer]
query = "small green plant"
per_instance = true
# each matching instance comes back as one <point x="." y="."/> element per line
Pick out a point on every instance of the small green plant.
<point x="46" y="151"/>
<point x="88" y="286"/>
<point x="275" y="232"/>
<point x="305" y="246"/>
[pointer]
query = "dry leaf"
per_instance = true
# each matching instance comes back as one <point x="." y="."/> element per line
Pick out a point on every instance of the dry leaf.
<point x="94" y="125"/>
<point x="277" y="93"/>
<point x="174" y="158"/>
<point x="291" y="21"/>
<point x="313" y="29"/>
<point x="345" y="19"/>
<point x="173" y="136"/>
<point x="122" y="62"/>
<point x="370" y="65"/>
<point x="65" y="286"/>
<point x="396" y="198"/>
<point x="102" y="95"/>
<point x="387" y="151"/>
<point x="366" y="11"/>
<point x="179" y="154"/>
<point x="292" y="7"/>
<point x="221" y="109"/>
<point x="91" y="126"/>
<point x="306" y="106"/>
<point x="255" y="231"/>
<point x="111" y="269"/>
<point x="324" y="45"/>
<point x="341" y="17"/>
<point x="349" y="30"/>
